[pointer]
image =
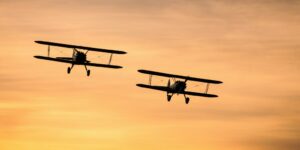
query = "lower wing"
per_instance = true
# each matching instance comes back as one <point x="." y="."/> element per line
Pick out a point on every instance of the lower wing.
<point x="64" y="60"/>
<point x="198" y="94"/>
<point x="102" y="65"/>
<point x="164" y="88"/>
<point x="70" y="61"/>
<point x="160" y="88"/>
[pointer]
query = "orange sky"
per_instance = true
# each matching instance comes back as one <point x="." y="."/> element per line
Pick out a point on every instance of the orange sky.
<point x="252" y="46"/>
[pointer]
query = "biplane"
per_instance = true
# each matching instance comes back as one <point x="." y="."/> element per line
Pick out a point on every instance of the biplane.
<point x="178" y="87"/>
<point x="79" y="57"/>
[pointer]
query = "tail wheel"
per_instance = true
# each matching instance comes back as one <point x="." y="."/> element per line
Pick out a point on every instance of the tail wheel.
<point x="169" y="97"/>
<point x="88" y="72"/>
<point x="187" y="100"/>
<point x="69" y="70"/>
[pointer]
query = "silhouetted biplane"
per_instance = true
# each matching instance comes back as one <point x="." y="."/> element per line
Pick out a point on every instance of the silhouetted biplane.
<point x="79" y="57"/>
<point x="178" y="87"/>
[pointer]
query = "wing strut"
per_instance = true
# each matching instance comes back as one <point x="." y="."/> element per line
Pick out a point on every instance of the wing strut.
<point x="48" y="50"/>
<point x="150" y="79"/>
<point x="207" y="86"/>
<point x="110" y="58"/>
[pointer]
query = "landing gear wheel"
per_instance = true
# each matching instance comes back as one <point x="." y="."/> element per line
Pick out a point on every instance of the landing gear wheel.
<point x="187" y="100"/>
<point x="69" y="70"/>
<point x="169" y="97"/>
<point x="88" y="72"/>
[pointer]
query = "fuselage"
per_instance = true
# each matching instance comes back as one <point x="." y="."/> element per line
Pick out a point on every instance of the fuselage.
<point x="79" y="57"/>
<point x="178" y="87"/>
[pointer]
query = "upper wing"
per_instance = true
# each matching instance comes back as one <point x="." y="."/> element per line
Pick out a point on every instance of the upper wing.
<point x="160" y="88"/>
<point x="69" y="60"/>
<point x="81" y="47"/>
<point x="179" y="76"/>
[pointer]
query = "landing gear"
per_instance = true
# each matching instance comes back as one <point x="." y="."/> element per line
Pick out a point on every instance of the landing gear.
<point x="70" y="68"/>
<point x="169" y="97"/>
<point x="187" y="99"/>
<point x="88" y="72"/>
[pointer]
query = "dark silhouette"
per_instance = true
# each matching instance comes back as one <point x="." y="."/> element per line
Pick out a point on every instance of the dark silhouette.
<point x="78" y="57"/>
<point x="178" y="87"/>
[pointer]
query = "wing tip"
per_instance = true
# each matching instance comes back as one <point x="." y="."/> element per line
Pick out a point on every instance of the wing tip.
<point x="211" y="96"/>
<point x="115" y="67"/>
<point x="38" y="57"/>
<point x="214" y="96"/>
<point x="122" y="52"/>
<point x="139" y="84"/>
<point x="119" y="67"/>
<point x="143" y="71"/>
<point x="219" y="82"/>
<point x="39" y="42"/>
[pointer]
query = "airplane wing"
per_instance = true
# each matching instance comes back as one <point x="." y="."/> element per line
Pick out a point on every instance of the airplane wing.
<point x="179" y="76"/>
<point x="70" y="61"/>
<point x="160" y="88"/>
<point x="55" y="59"/>
<point x="66" y="58"/>
<point x="81" y="47"/>
<point x="103" y="65"/>
<point x="199" y="94"/>
<point x="164" y="88"/>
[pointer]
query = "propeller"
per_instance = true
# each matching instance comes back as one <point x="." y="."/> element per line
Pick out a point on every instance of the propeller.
<point x="169" y="84"/>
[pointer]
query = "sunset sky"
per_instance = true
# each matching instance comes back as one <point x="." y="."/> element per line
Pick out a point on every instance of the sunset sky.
<point x="253" y="46"/>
